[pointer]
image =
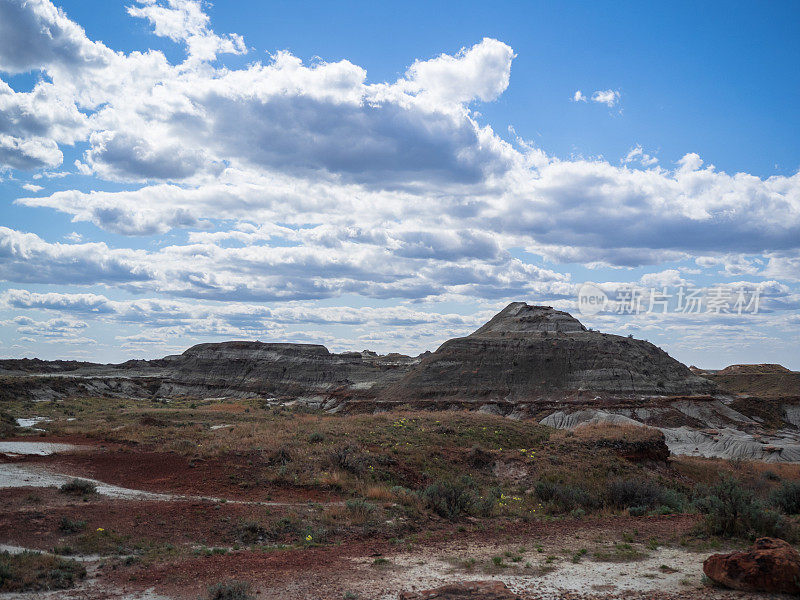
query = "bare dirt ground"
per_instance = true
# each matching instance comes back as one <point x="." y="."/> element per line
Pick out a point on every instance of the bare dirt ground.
<point x="150" y="549"/>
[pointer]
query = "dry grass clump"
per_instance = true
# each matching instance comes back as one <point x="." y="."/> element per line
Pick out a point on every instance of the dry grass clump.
<point x="379" y="492"/>
<point x="333" y="480"/>
<point x="625" y="432"/>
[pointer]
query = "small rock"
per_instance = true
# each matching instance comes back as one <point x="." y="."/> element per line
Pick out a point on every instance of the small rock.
<point x="771" y="565"/>
<point x="468" y="590"/>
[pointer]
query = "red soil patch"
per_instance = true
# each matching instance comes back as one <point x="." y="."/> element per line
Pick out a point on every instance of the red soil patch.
<point x="234" y="477"/>
<point x="31" y="518"/>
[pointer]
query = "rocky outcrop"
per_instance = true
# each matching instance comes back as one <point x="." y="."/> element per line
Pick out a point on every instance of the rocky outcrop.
<point x="535" y="352"/>
<point x="636" y="444"/>
<point x="771" y="565"/>
<point x="704" y="427"/>
<point x="469" y="590"/>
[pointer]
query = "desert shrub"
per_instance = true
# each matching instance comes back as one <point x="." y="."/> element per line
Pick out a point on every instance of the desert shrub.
<point x="36" y="571"/>
<point x="453" y="499"/>
<point x="360" y="507"/>
<point x="732" y="510"/>
<point x="479" y="458"/>
<point x="284" y="527"/>
<point x="68" y="525"/>
<point x="627" y="493"/>
<point x="79" y="487"/>
<point x="637" y="511"/>
<point x="771" y="476"/>
<point x="154" y="421"/>
<point x="183" y="446"/>
<point x="787" y="497"/>
<point x="8" y="424"/>
<point x="566" y="497"/>
<point x="251" y="532"/>
<point x="316" y="438"/>
<point x="230" y="590"/>
<point x="673" y="500"/>
<point x="405" y="496"/>
<point x="349" y="458"/>
<point x="281" y="457"/>
<point x="399" y="490"/>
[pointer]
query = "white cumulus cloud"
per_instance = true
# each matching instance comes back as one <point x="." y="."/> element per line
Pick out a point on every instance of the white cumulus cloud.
<point x="608" y="97"/>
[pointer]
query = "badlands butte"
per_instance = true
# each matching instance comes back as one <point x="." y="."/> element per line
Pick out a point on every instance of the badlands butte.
<point x="528" y="362"/>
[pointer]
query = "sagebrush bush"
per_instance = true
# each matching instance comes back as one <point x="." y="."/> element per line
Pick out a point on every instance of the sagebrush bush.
<point x="637" y="511"/>
<point x="733" y="511"/>
<point x="68" y="525"/>
<point x="284" y="527"/>
<point x="231" y="590"/>
<point x="787" y="497"/>
<point x="633" y="492"/>
<point x="566" y="497"/>
<point x="280" y="457"/>
<point x="360" y="507"/>
<point x="79" y="487"/>
<point x="350" y="458"/>
<point x="629" y="493"/>
<point x="453" y="499"/>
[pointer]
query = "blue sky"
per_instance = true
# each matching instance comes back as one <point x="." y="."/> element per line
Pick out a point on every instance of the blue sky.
<point x="373" y="175"/>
